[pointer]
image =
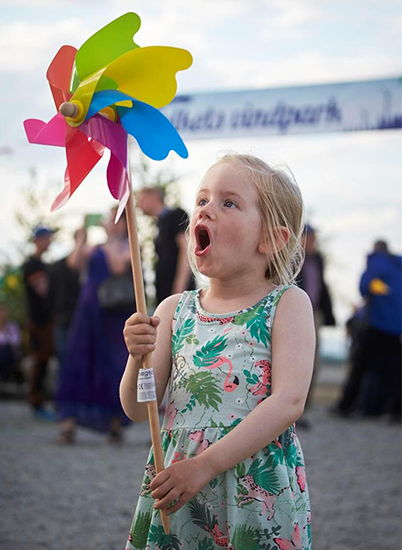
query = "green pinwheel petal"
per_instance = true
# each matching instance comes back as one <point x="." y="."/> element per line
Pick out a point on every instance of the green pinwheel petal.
<point x="104" y="46"/>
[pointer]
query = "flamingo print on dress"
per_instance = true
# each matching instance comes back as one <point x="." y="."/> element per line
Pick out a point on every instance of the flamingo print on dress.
<point x="294" y="544"/>
<point x="199" y="436"/>
<point x="227" y="386"/>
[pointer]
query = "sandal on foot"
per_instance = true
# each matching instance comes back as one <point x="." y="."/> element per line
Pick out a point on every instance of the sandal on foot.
<point x="66" y="437"/>
<point x="115" y="437"/>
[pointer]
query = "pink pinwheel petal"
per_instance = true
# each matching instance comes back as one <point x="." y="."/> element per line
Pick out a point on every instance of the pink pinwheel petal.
<point x="111" y="134"/>
<point x="118" y="182"/>
<point x="122" y="204"/>
<point x="117" y="178"/>
<point x="50" y="133"/>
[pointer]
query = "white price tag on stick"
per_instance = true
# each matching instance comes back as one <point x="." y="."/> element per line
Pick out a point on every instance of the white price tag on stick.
<point x="146" y="389"/>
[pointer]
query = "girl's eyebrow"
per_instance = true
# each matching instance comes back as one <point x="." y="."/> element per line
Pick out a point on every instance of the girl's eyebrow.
<point x="222" y="192"/>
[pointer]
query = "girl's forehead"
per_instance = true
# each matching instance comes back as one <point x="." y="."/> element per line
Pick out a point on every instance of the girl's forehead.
<point x="228" y="180"/>
<point x="224" y="176"/>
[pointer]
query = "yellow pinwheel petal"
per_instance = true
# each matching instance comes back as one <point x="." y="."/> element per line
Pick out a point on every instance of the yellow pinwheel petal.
<point x="149" y="74"/>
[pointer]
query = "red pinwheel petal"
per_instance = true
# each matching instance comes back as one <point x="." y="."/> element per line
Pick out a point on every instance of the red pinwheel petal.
<point x="82" y="155"/>
<point x="59" y="74"/>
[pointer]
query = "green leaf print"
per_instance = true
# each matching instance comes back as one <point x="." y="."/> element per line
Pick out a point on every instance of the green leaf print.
<point x="226" y="429"/>
<point x="139" y="529"/>
<point x="208" y="354"/>
<point x="240" y="469"/>
<point x="278" y="297"/>
<point x="165" y="542"/>
<point x="206" y="544"/>
<point x="258" y="327"/>
<point x="201" y="515"/>
<point x="275" y="455"/>
<point x="181" y="335"/>
<point x="291" y="456"/>
<point x="265" y="476"/>
<point x="205" y="389"/>
<point x="246" y="538"/>
<point x="243" y="318"/>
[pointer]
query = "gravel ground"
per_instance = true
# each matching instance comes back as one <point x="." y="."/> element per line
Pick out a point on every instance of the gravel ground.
<point x="82" y="497"/>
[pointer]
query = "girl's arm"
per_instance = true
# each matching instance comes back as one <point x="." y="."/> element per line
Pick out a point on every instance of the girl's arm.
<point x="140" y="335"/>
<point x="293" y="345"/>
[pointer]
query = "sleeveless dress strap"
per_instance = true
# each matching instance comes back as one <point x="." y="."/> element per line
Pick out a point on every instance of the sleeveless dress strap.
<point x="272" y="303"/>
<point x="186" y="296"/>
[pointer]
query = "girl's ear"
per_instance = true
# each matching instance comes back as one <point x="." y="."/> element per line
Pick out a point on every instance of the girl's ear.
<point x="281" y="238"/>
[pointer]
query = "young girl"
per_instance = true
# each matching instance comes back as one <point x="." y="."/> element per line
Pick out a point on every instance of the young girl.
<point x="238" y="358"/>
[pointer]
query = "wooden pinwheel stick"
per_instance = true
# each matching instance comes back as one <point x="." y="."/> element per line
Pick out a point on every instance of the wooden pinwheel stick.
<point x="72" y="110"/>
<point x="153" y="414"/>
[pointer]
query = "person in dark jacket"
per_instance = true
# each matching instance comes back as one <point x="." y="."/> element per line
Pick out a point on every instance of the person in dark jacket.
<point x="381" y="286"/>
<point x="312" y="280"/>
<point x="172" y="274"/>
<point x="37" y="283"/>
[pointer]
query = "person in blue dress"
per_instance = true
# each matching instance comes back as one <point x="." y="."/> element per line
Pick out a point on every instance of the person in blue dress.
<point x="88" y="390"/>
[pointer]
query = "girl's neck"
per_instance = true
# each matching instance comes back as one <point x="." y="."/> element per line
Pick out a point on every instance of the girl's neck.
<point x="227" y="296"/>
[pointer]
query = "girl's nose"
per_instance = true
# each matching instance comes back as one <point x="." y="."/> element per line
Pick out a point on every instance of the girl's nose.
<point x="206" y="211"/>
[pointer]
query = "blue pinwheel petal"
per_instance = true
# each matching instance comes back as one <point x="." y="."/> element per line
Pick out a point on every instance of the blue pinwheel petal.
<point x="154" y="133"/>
<point x="103" y="99"/>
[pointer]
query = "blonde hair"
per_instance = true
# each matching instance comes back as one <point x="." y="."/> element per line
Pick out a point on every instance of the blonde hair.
<point x="280" y="204"/>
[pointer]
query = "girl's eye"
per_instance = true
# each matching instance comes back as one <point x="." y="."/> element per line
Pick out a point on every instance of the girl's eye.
<point x="201" y="202"/>
<point x="229" y="204"/>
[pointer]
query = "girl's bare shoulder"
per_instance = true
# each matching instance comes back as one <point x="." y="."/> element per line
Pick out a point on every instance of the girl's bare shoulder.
<point x="294" y="303"/>
<point x="166" y="309"/>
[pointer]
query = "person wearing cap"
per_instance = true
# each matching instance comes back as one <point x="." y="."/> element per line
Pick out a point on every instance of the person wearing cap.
<point x="37" y="285"/>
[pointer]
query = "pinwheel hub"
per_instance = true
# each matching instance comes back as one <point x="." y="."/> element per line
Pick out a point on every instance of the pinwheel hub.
<point x="74" y="112"/>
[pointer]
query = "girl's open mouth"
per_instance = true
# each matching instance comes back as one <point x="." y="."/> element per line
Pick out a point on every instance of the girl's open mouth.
<point x="203" y="240"/>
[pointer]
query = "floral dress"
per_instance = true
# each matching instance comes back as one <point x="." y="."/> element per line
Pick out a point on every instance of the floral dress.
<point x="221" y="370"/>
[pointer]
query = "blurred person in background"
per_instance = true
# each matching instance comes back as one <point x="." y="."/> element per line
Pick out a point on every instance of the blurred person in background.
<point x="37" y="285"/>
<point x="10" y="344"/>
<point x="381" y="286"/>
<point x="64" y="291"/>
<point x="312" y="280"/>
<point x="172" y="274"/>
<point x="350" y="399"/>
<point x="96" y="356"/>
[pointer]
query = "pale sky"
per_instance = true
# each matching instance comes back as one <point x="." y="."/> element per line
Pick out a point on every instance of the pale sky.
<point x="351" y="183"/>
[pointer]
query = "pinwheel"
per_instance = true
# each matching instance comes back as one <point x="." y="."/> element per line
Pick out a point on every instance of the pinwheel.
<point x="106" y="90"/>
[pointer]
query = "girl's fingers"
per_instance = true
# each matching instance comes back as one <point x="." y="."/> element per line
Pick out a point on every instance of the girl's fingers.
<point x="138" y="318"/>
<point x="141" y="328"/>
<point x="182" y="500"/>
<point x="159" y="479"/>
<point x="164" y="502"/>
<point x="140" y="351"/>
<point x="155" y="321"/>
<point x="162" y="489"/>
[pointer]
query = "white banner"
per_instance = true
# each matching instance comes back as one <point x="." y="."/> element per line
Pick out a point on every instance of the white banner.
<point x="345" y="107"/>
